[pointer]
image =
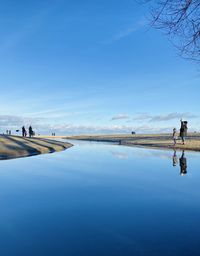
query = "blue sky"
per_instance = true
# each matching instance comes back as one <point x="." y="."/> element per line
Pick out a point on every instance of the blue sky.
<point x="91" y="67"/>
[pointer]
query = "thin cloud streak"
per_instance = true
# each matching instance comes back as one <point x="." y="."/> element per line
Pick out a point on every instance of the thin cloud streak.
<point x="128" y="31"/>
<point x="16" y="122"/>
<point x="141" y="23"/>
<point x="167" y="117"/>
<point x="154" y="118"/>
<point x="119" y="117"/>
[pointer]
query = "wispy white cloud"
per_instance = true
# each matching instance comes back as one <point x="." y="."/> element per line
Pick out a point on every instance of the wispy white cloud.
<point x="106" y="129"/>
<point x="172" y="116"/>
<point x="41" y="125"/>
<point x="154" y="118"/>
<point x="44" y="126"/>
<point x="119" y="117"/>
<point x="127" y="31"/>
<point x="10" y="121"/>
<point x="166" y="117"/>
<point x="124" y="33"/>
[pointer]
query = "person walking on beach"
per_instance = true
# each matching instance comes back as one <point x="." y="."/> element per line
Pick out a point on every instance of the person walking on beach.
<point x="30" y="131"/>
<point x="183" y="131"/>
<point x="174" y="136"/>
<point x="23" y="131"/>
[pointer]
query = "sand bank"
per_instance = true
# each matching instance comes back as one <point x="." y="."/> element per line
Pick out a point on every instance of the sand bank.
<point x="162" y="141"/>
<point x="15" y="146"/>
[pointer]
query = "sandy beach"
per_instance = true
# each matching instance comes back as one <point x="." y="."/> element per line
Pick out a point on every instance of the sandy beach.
<point x="161" y="141"/>
<point x="15" y="146"/>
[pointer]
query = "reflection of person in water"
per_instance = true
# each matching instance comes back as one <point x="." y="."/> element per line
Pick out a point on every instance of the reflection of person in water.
<point x="175" y="159"/>
<point x="183" y="164"/>
<point x="174" y="136"/>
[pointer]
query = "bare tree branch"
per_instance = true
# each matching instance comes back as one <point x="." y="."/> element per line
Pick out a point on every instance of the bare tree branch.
<point x="180" y="20"/>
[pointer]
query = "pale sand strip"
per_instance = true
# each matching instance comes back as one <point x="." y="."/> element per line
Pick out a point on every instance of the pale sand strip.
<point x="162" y="141"/>
<point x="16" y="146"/>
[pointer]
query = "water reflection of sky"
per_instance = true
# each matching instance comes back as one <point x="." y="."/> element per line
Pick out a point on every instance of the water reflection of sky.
<point x="100" y="199"/>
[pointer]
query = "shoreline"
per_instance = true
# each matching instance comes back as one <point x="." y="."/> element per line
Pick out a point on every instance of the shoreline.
<point x="152" y="141"/>
<point x="16" y="146"/>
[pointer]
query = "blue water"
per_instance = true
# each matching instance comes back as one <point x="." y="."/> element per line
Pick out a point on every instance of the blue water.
<point x="100" y="199"/>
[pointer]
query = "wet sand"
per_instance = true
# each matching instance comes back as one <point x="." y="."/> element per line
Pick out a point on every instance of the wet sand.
<point x="16" y="146"/>
<point x="161" y="141"/>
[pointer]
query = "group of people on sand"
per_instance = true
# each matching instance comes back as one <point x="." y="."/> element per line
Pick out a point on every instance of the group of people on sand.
<point x="30" y="131"/>
<point x="182" y="134"/>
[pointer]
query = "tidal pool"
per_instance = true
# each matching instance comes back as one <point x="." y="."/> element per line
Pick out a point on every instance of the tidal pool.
<point x="101" y="199"/>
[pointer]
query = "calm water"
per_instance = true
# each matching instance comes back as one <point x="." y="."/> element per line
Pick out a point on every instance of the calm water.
<point x="100" y="199"/>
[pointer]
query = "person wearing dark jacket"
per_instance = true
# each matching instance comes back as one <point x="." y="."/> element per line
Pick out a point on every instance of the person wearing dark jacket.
<point x="30" y="131"/>
<point x="23" y="132"/>
<point x="183" y="131"/>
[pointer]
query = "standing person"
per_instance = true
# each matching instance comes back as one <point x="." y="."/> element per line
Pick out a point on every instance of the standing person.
<point x="30" y="131"/>
<point x="23" y="131"/>
<point x="183" y="131"/>
<point x="174" y="136"/>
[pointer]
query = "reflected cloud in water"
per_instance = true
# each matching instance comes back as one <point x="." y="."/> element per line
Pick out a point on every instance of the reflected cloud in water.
<point x="120" y="155"/>
<point x="179" y="159"/>
<point x="132" y="152"/>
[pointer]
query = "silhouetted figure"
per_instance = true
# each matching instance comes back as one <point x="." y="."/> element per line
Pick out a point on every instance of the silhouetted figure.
<point x="175" y="159"/>
<point x="183" y="164"/>
<point x="30" y="130"/>
<point x="23" y="132"/>
<point x="183" y="131"/>
<point x="9" y="132"/>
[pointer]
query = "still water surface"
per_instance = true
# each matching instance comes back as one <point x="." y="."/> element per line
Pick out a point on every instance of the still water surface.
<point x="101" y="199"/>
